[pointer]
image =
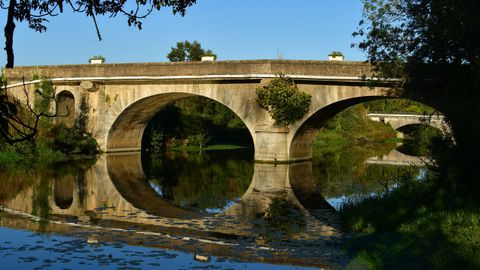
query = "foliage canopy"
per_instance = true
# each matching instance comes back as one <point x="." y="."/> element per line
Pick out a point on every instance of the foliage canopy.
<point x="186" y="51"/>
<point x="282" y="99"/>
<point x="431" y="45"/>
<point x="37" y="12"/>
<point x="20" y="122"/>
<point x="335" y="53"/>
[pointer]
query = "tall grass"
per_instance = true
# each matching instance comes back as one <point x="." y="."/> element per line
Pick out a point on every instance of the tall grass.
<point x="417" y="226"/>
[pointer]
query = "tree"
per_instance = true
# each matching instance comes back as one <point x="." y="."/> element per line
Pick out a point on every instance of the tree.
<point x="37" y="12"/>
<point x="432" y="45"/>
<point x="186" y="51"/>
<point x="19" y="122"/>
<point x="282" y="99"/>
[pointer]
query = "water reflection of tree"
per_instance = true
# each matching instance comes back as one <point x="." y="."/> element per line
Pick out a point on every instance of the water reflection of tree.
<point x="40" y="201"/>
<point x="420" y="140"/>
<point x="200" y="180"/>
<point x="344" y="171"/>
<point x="280" y="221"/>
<point x="11" y="184"/>
<point x="42" y="178"/>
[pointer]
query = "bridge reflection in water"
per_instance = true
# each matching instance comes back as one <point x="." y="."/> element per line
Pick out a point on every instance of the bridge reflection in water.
<point x="397" y="158"/>
<point x="281" y="217"/>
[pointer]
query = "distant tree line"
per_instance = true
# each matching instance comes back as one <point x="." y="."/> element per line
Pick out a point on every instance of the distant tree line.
<point x="188" y="51"/>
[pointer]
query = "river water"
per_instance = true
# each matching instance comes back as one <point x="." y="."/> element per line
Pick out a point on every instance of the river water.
<point x="178" y="210"/>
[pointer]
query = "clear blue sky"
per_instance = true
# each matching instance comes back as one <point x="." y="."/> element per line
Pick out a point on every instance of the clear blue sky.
<point x="233" y="29"/>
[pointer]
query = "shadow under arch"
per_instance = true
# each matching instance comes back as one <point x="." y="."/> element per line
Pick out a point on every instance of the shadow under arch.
<point x="439" y="128"/>
<point x="65" y="108"/>
<point x="126" y="174"/>
<point x="308" y="193"/>
<point x="127" y="131"/>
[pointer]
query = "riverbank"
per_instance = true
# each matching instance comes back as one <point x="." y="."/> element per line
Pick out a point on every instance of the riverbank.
<point x="53" y="144"/>
<point x="417" y="226"/>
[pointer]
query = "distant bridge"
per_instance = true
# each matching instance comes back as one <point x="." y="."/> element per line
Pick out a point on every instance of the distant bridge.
<point x="398" y="120"/>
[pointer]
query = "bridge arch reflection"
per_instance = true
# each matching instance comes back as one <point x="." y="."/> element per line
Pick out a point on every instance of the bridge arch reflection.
<point x="116" y="194"/>
<point x="270" y="183"/>
<point x="126" y="173"/>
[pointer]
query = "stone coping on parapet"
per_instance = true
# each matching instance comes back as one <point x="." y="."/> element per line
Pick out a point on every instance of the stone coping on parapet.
<point x="232" y="67"/>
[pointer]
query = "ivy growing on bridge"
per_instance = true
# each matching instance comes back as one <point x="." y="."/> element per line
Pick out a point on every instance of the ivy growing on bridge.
<point x="284" y="102"/>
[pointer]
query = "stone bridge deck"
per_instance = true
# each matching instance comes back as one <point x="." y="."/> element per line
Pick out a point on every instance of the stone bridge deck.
<point x="220" y="70"/>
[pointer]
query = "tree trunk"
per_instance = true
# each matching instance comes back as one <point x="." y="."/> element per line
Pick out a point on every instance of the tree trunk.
<point x="9" y="30"/>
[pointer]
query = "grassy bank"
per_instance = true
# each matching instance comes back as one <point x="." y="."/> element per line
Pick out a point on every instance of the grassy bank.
<point x="23" y="153"/>
<point x="420" y="225"/>
<point x="54" y="143"/>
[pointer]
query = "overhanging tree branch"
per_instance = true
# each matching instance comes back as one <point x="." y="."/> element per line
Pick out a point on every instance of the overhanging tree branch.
<point x="20" y="122"/>
<point x="35" y="12"/>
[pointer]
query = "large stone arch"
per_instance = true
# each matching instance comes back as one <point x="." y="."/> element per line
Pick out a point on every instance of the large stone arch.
<point x="301" y="146"/>
<point x="129" y="115"/>
<point x="304" y="133"/>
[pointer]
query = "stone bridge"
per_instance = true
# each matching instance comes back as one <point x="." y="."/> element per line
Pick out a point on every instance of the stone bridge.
<point x="398" y="120"/>
<point x="118" y="100"/>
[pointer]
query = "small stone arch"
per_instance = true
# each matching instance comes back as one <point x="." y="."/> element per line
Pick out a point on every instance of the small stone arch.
<point x="65" y="108"/>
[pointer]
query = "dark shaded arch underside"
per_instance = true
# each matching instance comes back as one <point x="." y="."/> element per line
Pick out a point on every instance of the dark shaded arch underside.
<point x="302" y="144"/>
<point x="127" y="130"/>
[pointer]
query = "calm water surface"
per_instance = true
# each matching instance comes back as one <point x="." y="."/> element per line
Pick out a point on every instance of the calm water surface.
<point x="213" y="210"/>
